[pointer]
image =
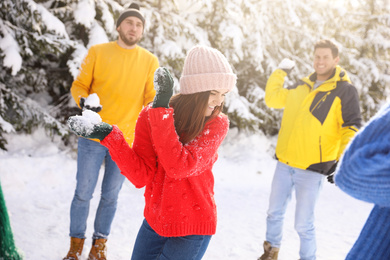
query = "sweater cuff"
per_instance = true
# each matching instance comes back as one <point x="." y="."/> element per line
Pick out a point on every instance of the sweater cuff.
<point x="114" y="135"/>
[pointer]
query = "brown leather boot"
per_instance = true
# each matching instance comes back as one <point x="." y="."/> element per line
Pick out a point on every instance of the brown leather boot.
<point x="98" y="250"/>
<point x="76" y="248"/>
<point x="270" y="253"/>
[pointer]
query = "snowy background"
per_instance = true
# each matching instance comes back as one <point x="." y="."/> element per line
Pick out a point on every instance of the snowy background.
<point x="42" y="44"/>
<point x="38" y="181"/>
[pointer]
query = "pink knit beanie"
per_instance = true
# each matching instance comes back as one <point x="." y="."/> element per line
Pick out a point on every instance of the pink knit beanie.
<point x="205" y="69"/>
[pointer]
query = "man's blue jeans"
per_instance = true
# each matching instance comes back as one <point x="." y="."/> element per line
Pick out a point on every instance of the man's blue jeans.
<point x="307" y="186"/>
<point x="91" y="155"/>
<point x="151" y="246"/>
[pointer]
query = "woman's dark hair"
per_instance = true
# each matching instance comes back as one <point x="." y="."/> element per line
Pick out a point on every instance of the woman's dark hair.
<point x="190" y="113"/>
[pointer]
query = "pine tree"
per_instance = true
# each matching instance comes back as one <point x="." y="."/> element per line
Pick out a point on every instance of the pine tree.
<point x="42" y="44"/>
<point x="369" y="52"/>
<point x="33" y="66"/>
<point x="8" y="249"/>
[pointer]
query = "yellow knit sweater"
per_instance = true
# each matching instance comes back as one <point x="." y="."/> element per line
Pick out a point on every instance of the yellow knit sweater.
<point x="123" y="80"/>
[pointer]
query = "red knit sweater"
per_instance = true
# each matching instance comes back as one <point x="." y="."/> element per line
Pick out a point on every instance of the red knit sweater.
<point x="179" y="192"/>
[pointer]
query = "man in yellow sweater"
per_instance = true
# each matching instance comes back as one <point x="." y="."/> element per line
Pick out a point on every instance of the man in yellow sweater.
<point x="121" y="74"/>
<point x="321" y="115"/>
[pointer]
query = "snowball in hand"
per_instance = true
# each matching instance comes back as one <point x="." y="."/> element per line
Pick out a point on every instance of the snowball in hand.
<point x="163" y="84"/>
<point x="92" y="100"/>
<point x="158" y="75"/>
<point x="92" y="117"/>
<point x="286" y="64"/>
<point x="83" y="125"/>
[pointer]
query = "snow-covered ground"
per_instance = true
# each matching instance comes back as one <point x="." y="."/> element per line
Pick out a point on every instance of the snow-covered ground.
<point x="38" y="181"/>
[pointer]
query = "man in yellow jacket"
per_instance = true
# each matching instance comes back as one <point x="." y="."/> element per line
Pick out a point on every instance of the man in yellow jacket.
<point x="321" y="115"/>
<point x="120" y="75"/>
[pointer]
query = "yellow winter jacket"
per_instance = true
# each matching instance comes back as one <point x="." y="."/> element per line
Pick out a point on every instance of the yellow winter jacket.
<point x="317" y="124"/>
<point x="123" y="80"/>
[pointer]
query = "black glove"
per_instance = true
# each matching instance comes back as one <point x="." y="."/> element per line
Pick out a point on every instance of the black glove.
<point x="163" y="83"/>
<point x="330" y="173"/>
<point x="88" y="130"/>
<point x="330" y="178"/>
<point x="94" y="109"/>
<point x="287" y="65"/>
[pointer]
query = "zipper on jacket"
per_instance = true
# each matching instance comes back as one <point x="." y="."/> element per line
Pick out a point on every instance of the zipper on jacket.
<point x="320" y="149"/>
<point x="319" y="103"/>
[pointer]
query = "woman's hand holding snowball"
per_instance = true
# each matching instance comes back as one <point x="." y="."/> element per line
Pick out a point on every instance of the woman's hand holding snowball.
<point x="163" y="83"/>
<point x="89" y="125"/>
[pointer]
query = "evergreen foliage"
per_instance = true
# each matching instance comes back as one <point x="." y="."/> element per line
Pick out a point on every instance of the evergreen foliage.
<point x="8" y="249"/>
<point x="43" y="42"/>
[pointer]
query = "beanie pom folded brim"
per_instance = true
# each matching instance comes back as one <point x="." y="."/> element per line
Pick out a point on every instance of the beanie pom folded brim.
<point x="134" y="11"/>
<point x="195" y="83"/>
<point x="206" y="69"/>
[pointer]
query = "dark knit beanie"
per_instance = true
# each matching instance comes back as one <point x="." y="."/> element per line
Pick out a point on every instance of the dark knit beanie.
<point x="133" y="10"/>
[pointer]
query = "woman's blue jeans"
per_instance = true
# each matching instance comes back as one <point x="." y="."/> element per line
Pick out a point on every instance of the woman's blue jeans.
<point x="91" y="155"/>
<point x="307" y="186"/>
<point x="151" y="246"/>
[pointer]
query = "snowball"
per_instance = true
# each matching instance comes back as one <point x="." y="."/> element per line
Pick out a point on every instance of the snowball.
<point x="92" y="117"/>
<point x="92" y="100"/>
<point x="157" y="75"/>
<point x="83" y="125"/>
<point x="286" y="64"/>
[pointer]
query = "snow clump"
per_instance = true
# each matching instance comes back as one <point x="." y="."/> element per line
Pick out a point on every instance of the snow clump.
<point x="83" y="125"/>
<point x="92" y="100"/>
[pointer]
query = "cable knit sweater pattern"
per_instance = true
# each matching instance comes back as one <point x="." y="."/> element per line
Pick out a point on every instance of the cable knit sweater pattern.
<point x="364" y="169"/>
<point x="364" y="173"/>
<point x="179" y="192"/>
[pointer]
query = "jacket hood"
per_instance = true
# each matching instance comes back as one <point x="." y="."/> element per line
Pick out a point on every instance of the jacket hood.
<point x="339" y="74"/>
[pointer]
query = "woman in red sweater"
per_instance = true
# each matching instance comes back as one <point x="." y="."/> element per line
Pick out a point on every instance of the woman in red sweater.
<point x="175" y="147"/>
